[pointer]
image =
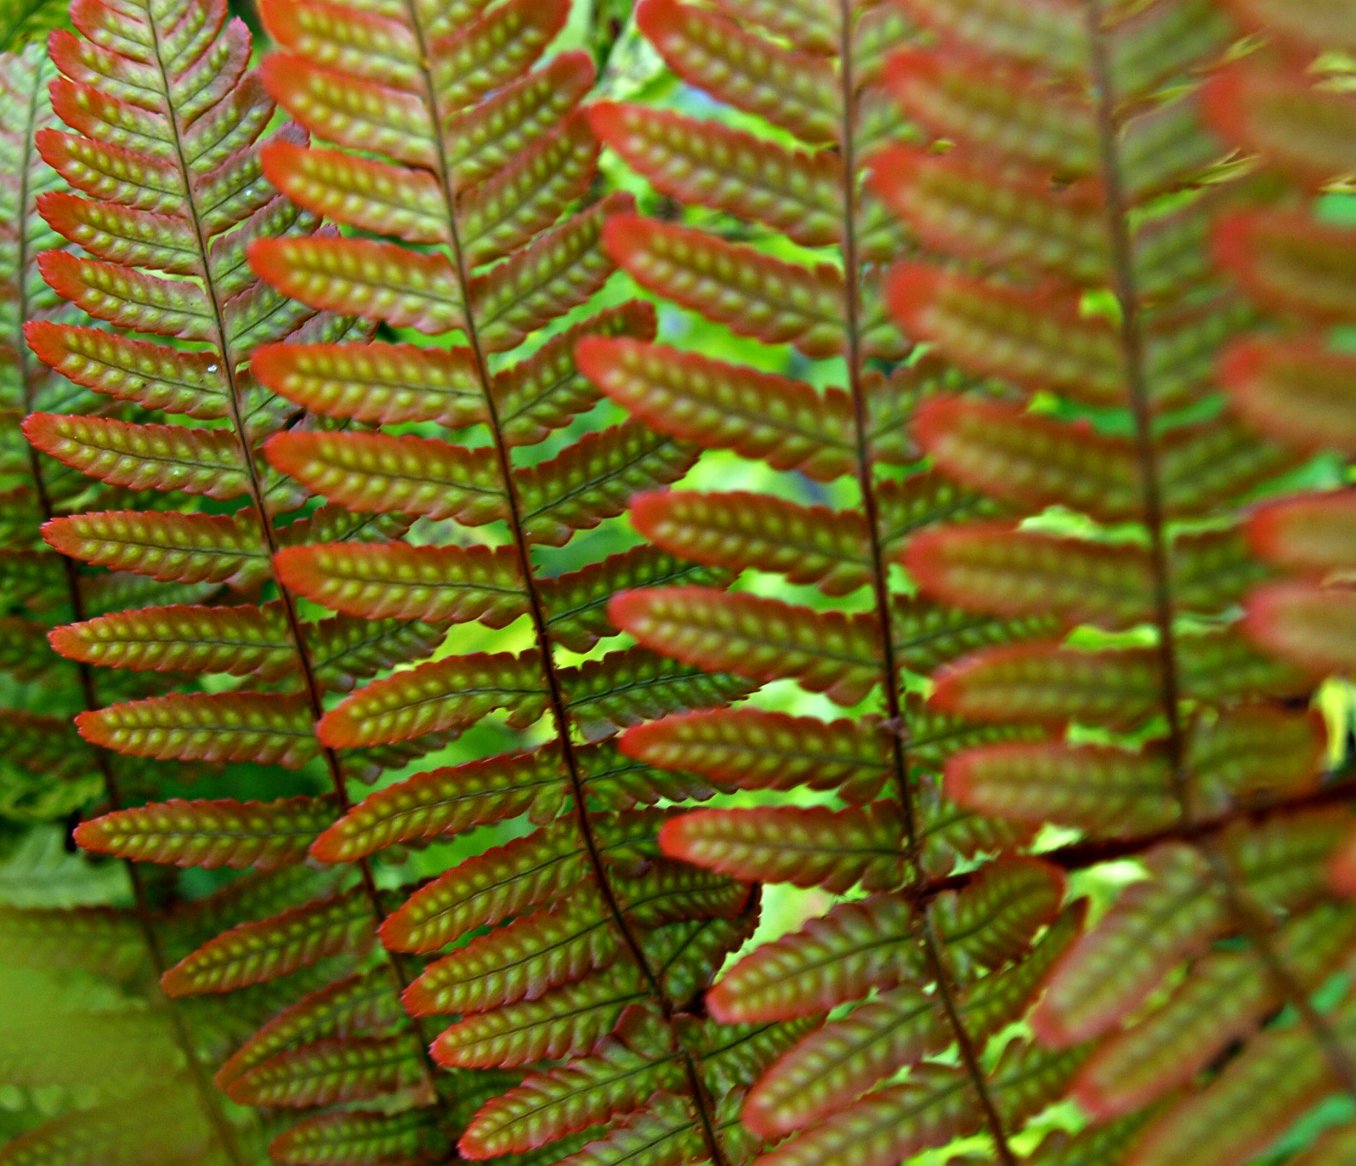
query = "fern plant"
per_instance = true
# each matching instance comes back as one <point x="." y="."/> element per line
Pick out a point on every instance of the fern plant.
<point x="38" y="587"/>
<point x="951" y="293"/>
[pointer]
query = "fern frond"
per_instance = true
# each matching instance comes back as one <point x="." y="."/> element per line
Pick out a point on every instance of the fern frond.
<point x="47" y="771"/>
<point x="1284" y="386"/>
<point x="163" y="120"/>
<point x="815" y="289"/>
<point x="986" y="326"/>
<point x="1078" y="278"/>
<point x="470" y="149"/>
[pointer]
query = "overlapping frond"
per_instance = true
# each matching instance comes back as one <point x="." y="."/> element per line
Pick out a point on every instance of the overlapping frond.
<point x="1074" y="266"/>
<point x="1293" y="386"/>
<point x="131" y="1041"/>
<point x="37" y="588"/>
<point x="160" y="152"/>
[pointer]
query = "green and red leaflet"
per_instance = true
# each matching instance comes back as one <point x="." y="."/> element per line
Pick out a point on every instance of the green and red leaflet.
<point x="262" y="835"/>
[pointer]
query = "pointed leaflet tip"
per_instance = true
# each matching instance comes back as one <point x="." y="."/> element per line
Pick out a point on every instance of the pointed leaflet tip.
<point x="656" y="17"/>
<point x="290" y="565"/>
<point x="90" y="725"/>
<point x="649" y="511"/>
<point x="61" y="271"/>
<point x="280" y="159"/>
<point x="1046" y="1023"/>
<point x="910" y="290"/>
<point x="934" y="419"/>
<point x="394" y="931"/>
<point x="89" y="835"/>
<point x="928" y="559"/>
<point x="60" y="534"/>
<point x="626" y="609"/>
<point x="949" y="682"/>
<point x="673" y="837"/>
<point x="1265" y="611"/>
<point x="277" y="70"/>
<point x="893" y="171"/>
<point x="607" y="120"/>
<point x="66" y="642"/>
<point x="624" y="235"/>
<point x="274" y="16"/>
<point x="1305" y="624"/>
<point x="338" y="728"/>
<point x="595" y="356"/>
<point x="1092" y="1096"/>
<point x="53" y="147"/>
<point x="1224" y="104"/>
<point x="723" y="1005"/>
<point x="958" y="777"/>
<point x="176" y="980"/>
<point x="330" y="845"/>
<point x="1311" y="534"/>
<point x="266" y="260"/>
<point x="637" y="741"/>
<point x="420" y="1001"/>
<point x="1241" y="365"/>
<point x="446" y="1051"/>
<point x="909" y="64"/>
<point x="60" y="210"/>
<point x="1234" y="242"/>
<point x="290" y="452"/>
<point x="41" y="431"/>
<point x="1268" y="530"/>
<point x="1295" y="391"/>
<point x="44" y="338"/>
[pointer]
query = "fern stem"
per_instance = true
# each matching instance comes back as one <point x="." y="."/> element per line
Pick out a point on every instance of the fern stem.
<point x="295" y="628"/>
<point x="540" y="629"/>
<point x="1137" y="382"/>
<point x="930" y="941"/>
<point x="1095" y="852"/>
<point x="1249" y="917"/>
<point x="208" y="1095"/>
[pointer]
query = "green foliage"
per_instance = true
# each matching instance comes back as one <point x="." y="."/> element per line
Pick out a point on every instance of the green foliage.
<point x="22" y="21"/>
